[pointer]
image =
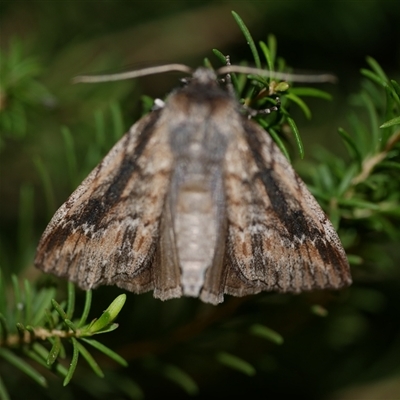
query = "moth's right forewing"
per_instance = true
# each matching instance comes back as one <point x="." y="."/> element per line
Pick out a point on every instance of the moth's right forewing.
<point x="278" y="236"/>
<point x="107" y="231"/>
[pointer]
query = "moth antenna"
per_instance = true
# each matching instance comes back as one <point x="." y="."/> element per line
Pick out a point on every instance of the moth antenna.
<point x="133" y="74"/>
<point x="311" y="78"/>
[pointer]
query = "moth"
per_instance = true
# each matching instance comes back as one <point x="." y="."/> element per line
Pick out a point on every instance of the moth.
<point x="195" y="200"/>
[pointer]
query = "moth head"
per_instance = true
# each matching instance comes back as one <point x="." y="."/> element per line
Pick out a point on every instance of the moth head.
<point x="204" y="75"/>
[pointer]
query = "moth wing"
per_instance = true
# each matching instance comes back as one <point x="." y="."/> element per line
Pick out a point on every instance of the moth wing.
<point x="108" y="229"/>
<point x="278" y="236"/>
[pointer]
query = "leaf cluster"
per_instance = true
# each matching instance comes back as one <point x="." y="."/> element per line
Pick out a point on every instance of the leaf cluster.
<point x="261" y="92"/>
<point x="360" y="193"/>
<point x="20" y="91"/>
<point x="33" y="325"/>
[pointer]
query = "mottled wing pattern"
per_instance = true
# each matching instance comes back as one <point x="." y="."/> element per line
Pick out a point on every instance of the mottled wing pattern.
<point x="107" y="231"/>
<point x="144" y="218"/>
<point x="278" y="236"/>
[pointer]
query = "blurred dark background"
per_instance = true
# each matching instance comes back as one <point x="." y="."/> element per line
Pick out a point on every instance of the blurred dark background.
<point x="354" y="353"/>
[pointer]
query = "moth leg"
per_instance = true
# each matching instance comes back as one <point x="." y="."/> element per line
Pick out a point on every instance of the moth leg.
<point x="251" y="112"/>
<point x="228" y="79"/>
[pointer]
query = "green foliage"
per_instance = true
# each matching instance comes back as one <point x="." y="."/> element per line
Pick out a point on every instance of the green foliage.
<point x="20" y="91"/>
<point x="365" y="190"/>
<point x="190" y="344"/>
<point x="35" y="326"/>
<point x="236" y="363"/>
<point x="266" y="333"/>
<point x="259" y="92"/>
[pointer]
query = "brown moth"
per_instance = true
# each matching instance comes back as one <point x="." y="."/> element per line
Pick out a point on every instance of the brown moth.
<point x="195" y="200"/>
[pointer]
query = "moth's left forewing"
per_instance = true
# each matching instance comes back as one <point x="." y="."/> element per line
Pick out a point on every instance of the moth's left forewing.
<point x="278" y="236"/>
<point x="107" y="232"/>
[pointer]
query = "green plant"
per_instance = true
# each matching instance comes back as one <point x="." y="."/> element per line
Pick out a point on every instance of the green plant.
<point x="33" y="319"/>
<point x="186" y="343"/>
<point x="20" y="91"/>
